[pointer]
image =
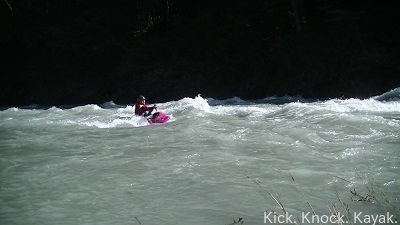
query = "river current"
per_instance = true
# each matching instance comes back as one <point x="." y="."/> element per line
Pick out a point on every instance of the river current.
<point x="216" y="162"/>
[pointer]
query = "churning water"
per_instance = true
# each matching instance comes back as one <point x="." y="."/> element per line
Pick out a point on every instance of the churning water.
<point x="215" y="162"/>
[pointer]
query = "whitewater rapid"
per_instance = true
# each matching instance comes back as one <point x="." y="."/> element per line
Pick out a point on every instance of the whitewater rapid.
<point x="216" y="161"/>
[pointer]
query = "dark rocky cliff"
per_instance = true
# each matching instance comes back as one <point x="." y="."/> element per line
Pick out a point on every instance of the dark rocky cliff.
<point x="78" y="52"/>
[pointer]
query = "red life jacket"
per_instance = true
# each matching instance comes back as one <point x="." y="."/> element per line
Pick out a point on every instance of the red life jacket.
<point x="141" y="109"/>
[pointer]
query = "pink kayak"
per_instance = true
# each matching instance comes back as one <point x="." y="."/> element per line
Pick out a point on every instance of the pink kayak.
<point x="158" y="117"/>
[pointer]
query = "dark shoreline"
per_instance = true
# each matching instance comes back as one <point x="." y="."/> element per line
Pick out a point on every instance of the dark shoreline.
<point x="86" y="52"/>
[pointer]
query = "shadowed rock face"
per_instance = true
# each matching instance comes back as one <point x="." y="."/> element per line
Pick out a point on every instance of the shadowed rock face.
<point x="72" y="52"/>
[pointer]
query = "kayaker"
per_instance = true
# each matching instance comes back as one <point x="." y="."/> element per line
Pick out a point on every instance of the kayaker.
<point x="141" y="109"/>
